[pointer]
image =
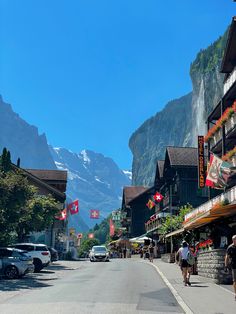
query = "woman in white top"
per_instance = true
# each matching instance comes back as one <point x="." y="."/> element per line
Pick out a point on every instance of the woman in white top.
<point x="182" y="254"/>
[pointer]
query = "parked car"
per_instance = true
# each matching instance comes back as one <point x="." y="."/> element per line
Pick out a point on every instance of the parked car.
<point x="54" y="254"/>
<point x="15" y="263"/>
<point x="99" y="253"/>
<point x="39" y="252"/>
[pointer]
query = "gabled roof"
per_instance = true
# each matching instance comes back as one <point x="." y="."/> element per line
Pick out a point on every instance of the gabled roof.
<point x="131" y="192"/>
<point x="229" y="59"/>
<point x="49" y="175"/>
<point x="182" y="156"/>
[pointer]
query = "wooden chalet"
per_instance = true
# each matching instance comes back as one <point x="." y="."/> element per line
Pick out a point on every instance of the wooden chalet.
<point x="177" y="180"/>
<point x="50" y="182"/>
<point x="133" y="212"/>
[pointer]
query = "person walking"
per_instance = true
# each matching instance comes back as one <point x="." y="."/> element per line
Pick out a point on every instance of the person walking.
<point x="151" y="252"/>
<point x="182" y="256"/>
<point x="230" y="261"/>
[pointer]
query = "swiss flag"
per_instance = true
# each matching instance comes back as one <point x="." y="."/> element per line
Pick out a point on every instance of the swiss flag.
<point x="63" y="215"/>
<point x="158" y="197"/>
<point x="94" y="213"/>
<point x="73" y="207"/>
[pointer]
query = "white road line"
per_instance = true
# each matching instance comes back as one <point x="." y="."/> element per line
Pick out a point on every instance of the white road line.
<point x="178" y="298"/>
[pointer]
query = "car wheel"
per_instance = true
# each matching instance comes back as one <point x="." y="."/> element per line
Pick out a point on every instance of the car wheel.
<point x="11" y="272"/>
<point x="37" y="265"/>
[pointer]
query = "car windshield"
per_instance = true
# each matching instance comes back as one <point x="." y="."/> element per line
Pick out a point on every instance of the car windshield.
<point x="99" y="249"/>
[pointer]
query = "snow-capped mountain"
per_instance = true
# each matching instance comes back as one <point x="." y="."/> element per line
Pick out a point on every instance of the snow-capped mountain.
<point x="94" y="179"/>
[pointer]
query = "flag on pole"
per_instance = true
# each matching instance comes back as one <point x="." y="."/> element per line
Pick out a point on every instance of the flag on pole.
<point x="79" y="235"/>
<point x="94" y="214"/>
<point x="91" y="235"/>
<point x="158" y="197"/>
<point x="220" y="173"/>
<point x="63" y="215"/>
<point x="73" y="207"/>
<point x="150" y="204"/>
<point x="112" y="228"/>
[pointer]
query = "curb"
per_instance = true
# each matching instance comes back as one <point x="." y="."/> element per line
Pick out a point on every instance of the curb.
<point x="178" y="298"/>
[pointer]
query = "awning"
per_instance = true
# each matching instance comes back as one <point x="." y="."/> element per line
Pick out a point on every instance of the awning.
<point x="213" y="214"/>
<point x="178" y="231"/>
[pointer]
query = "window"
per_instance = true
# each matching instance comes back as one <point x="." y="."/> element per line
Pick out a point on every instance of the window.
<point x="25" y="247"/>
<point x="5" y="253"/>
<point x="41" y="248"/>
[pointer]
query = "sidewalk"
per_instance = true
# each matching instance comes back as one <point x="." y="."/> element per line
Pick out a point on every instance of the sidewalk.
<point x="203" y="297"/>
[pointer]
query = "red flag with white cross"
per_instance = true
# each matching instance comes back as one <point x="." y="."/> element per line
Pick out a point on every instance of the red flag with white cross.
<point x="94" y="214"/>
<point x="63" y="215"/>
<point x="73" y="207"/>
<point x="158" y="197"/>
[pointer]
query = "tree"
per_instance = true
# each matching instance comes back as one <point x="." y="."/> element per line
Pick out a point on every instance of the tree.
<point x="5" y="160"/>
<point x="172" y="223"/>
<point x="22" y="210"/>
<point x="87" y="245"/>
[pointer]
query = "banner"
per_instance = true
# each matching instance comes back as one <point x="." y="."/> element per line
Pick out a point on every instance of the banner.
<point x="73" y="207"/>
<point x="220" y="174"/>
<point x="112" y="228"/>
<point x="94" y="214"/>
<point x="201" y="163"/>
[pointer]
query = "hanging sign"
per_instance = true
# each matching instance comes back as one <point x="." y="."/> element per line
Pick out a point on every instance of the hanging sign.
<point x="201" y="163"/>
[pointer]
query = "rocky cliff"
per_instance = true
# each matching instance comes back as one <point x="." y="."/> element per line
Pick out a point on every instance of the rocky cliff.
<point x="23" y="140"/>
<point x="182" y="119"/>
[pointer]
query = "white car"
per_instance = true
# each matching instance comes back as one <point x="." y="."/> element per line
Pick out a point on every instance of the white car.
<point x="39" y="252"/>
<point x="99" y="253"/>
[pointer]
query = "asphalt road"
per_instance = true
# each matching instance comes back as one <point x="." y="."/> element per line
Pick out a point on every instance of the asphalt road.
<point x="120" y="286"/>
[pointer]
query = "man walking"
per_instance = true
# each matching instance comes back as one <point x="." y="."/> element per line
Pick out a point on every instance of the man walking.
<point x="230" y="261"/>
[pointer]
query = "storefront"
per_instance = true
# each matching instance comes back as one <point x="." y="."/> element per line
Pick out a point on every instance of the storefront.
<point x="213" y="224"/>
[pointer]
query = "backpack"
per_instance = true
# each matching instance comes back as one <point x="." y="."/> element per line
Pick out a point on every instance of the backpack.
<point x="190" y="258"/>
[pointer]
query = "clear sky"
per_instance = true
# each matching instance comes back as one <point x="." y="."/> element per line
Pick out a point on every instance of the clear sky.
<point x="88" y="73"/>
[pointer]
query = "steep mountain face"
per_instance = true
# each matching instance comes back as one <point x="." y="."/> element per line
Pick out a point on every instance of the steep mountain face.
<point x="23" y="140"/>
<point x="92" y="178"/>
<point x="182" y="120"/>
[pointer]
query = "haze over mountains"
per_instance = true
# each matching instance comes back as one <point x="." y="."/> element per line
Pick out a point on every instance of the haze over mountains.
<point x="94" y="179"/>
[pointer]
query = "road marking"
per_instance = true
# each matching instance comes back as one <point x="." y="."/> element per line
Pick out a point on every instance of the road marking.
<point x="178" y="298"/>
<point x="225" y="289"/>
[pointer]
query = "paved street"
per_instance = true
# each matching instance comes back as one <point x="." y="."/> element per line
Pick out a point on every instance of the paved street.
<point x="120" y="286"/>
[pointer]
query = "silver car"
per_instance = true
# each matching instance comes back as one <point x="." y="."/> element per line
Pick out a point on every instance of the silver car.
<point x="99" y="253"/>
<point x="14" y="263"/>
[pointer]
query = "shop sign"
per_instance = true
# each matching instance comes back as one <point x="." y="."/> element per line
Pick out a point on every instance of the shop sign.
<point x="201" y="163"/>
<point x="196" y="213"/>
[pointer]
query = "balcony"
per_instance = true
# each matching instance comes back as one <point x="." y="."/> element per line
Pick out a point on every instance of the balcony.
<point x="230" y="81"/>
<point x="152" y="225"/>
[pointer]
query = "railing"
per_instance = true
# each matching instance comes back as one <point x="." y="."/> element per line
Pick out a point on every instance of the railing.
<point x="230" y="81"/>
<point x="152" y="225"/>
<point x="230" y="196"/>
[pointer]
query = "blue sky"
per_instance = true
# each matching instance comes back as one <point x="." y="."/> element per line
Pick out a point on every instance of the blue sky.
<point x="89" y="73"/>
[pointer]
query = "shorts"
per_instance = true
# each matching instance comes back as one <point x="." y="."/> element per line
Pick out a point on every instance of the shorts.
<point x="184" y="264"/>
<point x="234" y="274"/>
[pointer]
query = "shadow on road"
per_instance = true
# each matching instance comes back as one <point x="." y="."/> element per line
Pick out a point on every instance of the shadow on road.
<point x="29" y="282"/>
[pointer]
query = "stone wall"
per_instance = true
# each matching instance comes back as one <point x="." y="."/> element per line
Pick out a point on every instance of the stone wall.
<point x="211" y="264"/>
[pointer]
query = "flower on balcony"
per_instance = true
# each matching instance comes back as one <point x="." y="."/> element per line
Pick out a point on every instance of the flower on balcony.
<point x="220" y="122"/>
<point x="204" y="245"/>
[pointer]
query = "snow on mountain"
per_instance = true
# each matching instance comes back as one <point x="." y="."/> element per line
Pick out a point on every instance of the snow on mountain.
<point x="94" y="179"/>
<point x="128" y="173"/>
